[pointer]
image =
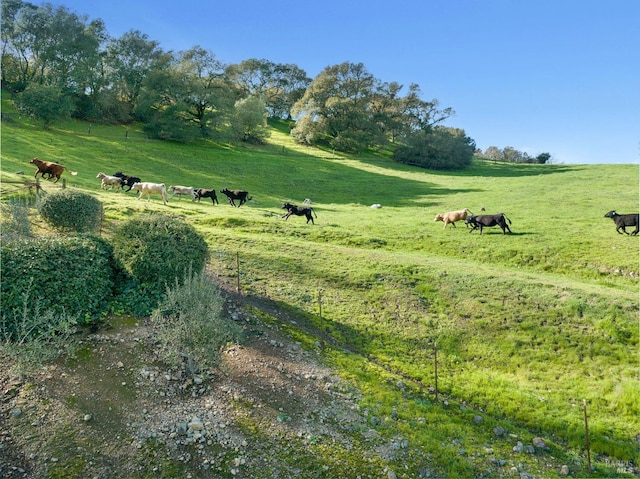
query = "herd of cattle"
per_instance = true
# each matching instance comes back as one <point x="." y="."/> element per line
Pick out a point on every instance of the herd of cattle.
<point x="501" y="220"/>
<point x="145" y="188"/>
<point x="119" y="179"/>
<point x="475" y="221"/>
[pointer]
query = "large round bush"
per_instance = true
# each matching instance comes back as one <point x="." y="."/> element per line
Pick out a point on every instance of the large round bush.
<point x="71" y="209"/>
<point x="72" y="276"/>
<point x="158" y="249"/>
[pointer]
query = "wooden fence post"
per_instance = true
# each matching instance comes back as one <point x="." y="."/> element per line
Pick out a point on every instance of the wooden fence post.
<point x="320" y="314"/>
<point x="238" y="271"/>
<point x="435" y="363"/>
<point x="586" y="433"/>
<point x="320" y="305"/>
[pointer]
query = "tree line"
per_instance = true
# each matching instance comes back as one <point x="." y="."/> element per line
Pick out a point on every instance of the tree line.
<point x="512" y="155"/>
<point x="58" y="64"/>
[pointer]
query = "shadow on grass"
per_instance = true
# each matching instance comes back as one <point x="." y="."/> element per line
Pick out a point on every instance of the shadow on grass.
<point x="484" y="168"/>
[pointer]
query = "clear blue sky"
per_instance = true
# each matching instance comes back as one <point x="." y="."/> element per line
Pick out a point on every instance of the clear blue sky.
<point x="557" y="76"/>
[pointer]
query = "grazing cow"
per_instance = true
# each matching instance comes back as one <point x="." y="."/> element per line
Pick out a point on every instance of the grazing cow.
<point x="182" y="190"/>
<point x="482" y="221"/>
<point x="109" y="181"/>
<point x="299" y="211"/>
<point x="452" y="216"/>
<point x="622" y="221"/>
<point x="205" y="193"/>
<point x="146" y="188"/>
<point x="236" y="195"/>
<point x="50" y="168"/>
<point x="127" y="180"/>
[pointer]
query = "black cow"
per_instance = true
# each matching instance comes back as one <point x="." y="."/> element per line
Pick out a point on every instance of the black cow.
<point x="205" y="193"/>
<point x="299" y="211"/>
<point x="485" y="221"/>
<point x="233" y="195"/>
<point x="127" y="180"/>
<point x="622" y="221"/>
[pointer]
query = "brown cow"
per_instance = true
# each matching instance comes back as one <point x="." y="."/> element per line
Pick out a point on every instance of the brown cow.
<point x="50" y="168"/>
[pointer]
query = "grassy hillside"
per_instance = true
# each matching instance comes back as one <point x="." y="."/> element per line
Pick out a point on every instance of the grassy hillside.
<point x="526" y="325"/>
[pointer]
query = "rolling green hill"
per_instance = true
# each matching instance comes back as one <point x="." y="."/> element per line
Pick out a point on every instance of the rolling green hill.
<point x="526" y="325"/>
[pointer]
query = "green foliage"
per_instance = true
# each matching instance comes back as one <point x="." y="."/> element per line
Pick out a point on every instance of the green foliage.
<point x="439" y="149"/>
<point x="71" y="209"/>
<point x="510" y="154"/>
<point x="346" y="106"/>
<point x="31" y="336"/>
<point x="307" y="131"/>
<point x="46" y="103"/>
<point x="279" y="85"/>
<point x="14" y="220"/>
<point x="190" y="324"/>
<point x="191" y="95"/>
<point x="158" y="249"/>
<point x="249" y="122"/>
<point x="70" y="276"/>
<point x="168" y="123"/>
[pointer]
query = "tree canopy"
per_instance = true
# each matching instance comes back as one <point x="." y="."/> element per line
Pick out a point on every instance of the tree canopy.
<point x="77" y="69"/>
<point x="512" y="155"/>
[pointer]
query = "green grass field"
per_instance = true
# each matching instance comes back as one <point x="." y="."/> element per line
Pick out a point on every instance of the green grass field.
<point x="527" y="325"/>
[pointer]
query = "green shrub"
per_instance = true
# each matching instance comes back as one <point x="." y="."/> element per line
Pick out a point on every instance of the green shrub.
<point x="157" y="250"/>
<point x="71" y="209"/>
<point x="71" y="276"/>
<point x="190" y="325"/>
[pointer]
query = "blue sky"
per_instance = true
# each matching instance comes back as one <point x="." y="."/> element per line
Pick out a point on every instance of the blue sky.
<point x="557" y="76"/>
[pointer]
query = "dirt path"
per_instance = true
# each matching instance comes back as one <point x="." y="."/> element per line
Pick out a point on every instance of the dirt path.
<point x="116" y="409"/>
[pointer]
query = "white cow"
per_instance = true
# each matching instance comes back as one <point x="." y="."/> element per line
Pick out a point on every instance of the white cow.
<point x="182" y="190"/>
<point x="109" y="181"/>
<point x="146" y="188"/>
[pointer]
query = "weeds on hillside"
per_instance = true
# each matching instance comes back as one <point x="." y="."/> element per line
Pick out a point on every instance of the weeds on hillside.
<point x="14" y="220"/>
<point x="190" y="325"/>
<point x="31" y="337"/>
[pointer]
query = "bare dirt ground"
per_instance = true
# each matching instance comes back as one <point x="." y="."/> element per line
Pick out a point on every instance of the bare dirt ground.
<point x="116" y="411"/>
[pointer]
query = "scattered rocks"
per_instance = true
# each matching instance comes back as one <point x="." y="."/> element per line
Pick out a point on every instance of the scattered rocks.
<point x="540" y="443"/>
<point x="193" y="416"/>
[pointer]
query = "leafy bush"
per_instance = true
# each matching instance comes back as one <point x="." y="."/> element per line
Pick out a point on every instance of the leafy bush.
<point x="45" y="102"/>
<point x="190" y="325"/>
<point x="71" y="276"/>
<point x="157" y="249"/>
<point x="31" y="337"/>
<point x="440" y="149"/>
<point x="71" y="209"/>
<point x="249" y="121"/>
